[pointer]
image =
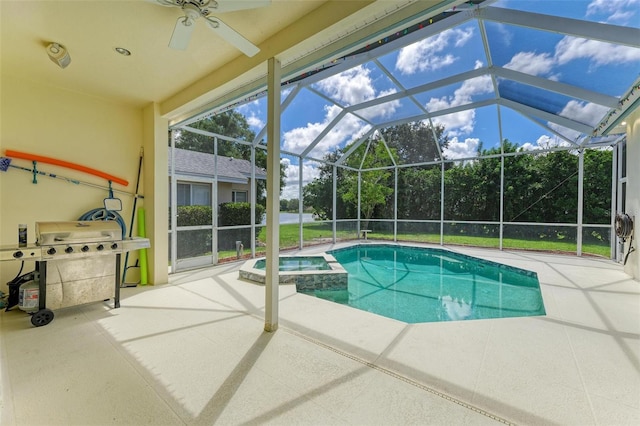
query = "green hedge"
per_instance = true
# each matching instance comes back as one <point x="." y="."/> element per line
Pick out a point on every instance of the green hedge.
<point x="229" y="214"/>
<point x="194" y="215"/>
<point x="233" y="214"/>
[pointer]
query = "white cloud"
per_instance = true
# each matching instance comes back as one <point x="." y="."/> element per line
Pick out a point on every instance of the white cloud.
<point x="255" y="122"/>
<point x="463" y="122"/>
<point x="531" y="63"/>
<point x="355" y="86"/>
<point x="466" y="149"/>
<point x="384" y="110"/>
<point x="457" y="124"/>
<point x="621" y="17"/>
<point x="545" y="142"/>
<point x="309" y="173"/>
<point x="621" y="11"/>
<point x="584" y="112"/>
<point x="599" y="53"/>
<point x="250" y="110"/>
<point x="349" y="128"/>
<point x="428" y="54"/>
<point x="506" y="36"/>
<point x="349" y="87"/>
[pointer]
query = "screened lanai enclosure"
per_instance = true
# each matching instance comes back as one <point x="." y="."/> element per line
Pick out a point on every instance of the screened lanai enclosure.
<point x="495" y="124"/>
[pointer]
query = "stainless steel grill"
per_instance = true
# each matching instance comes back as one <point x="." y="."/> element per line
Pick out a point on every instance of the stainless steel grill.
<point x="69" y="240"/>
<point x="76" y="262"/>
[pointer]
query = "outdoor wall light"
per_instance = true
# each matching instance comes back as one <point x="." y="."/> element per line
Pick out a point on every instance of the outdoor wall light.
<point x="59" y="55"/>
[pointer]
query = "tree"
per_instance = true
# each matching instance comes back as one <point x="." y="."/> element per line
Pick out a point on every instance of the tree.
<point x="229" y="123"/>
<point x="414" y="142"/>
<point x="539" y="187"/>
<point x="418" y="193"/>
<point x="292" y="205"/>
<point x="234" y="125"/>
<point x="410" y="143"/>
<point x="375" y="185"/>
<point x="597" y="186"/>
<point x="318" y="194"/>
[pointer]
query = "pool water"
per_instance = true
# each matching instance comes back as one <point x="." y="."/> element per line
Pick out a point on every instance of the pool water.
<point x="414" y="284"/>
<point x="309" y="263"/>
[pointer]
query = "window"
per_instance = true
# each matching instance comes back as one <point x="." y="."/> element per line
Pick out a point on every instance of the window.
<point x="200" y="195"/>
<point x="184" y="194"/>
<point x="194" y="194"/>
<point x="239" y="197"/>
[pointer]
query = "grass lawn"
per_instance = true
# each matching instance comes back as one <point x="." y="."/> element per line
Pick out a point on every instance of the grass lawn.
<point x="318" y="232"/>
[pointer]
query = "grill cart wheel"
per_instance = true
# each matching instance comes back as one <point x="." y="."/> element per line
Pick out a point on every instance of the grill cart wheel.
<point x="42" y="317"/>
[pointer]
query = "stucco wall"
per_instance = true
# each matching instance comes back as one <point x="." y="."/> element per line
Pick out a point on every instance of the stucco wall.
<point x="225" y="191"/>
<point x="47" y="121"/>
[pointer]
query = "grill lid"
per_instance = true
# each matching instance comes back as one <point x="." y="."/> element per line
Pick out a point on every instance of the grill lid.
<point x="52" y="233"/>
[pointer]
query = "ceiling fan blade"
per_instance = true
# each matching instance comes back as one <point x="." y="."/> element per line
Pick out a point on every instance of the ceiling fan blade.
<point x="231" y="6"/>
<point x="232" y="36"/>
<point x="167" y="3"/>
<point x="182" y="33"/>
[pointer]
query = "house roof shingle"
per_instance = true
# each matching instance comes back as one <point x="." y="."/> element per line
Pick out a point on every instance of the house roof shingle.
<point x="193" y="163"/>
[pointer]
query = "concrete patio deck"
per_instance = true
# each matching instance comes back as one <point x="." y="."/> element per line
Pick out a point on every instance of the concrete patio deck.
<point x="194" y="352"/>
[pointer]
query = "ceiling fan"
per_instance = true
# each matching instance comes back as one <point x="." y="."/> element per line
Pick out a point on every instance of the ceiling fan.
<point x="193" y="9"/>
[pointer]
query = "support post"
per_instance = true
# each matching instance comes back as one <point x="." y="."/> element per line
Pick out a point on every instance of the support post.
<point x="254" y="198"/>
<point x="300" y="202"/>
<point x="395" y="206"/>
<point x="273" y="196"/>
<point x="174" y="205"/>
<point x="335" y="205"/>
<point x="214" y="204"/>
<point x="580" y="201"/>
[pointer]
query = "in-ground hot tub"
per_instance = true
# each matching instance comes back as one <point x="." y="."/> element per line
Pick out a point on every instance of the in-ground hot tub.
<point x="309" y="273"/>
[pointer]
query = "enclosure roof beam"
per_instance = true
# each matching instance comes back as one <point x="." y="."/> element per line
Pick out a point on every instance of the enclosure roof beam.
<point x="324" y="133"/>
<point x="285" y="104"/>
<point x="453" y="110"/>
<point x="421" y="34"/>
<point x="575" y="27"/>
<point x="563" y="121"/>
<point x="355" y="146"/>
<point x="213" y="135"/>
<point x="556" y="86"/>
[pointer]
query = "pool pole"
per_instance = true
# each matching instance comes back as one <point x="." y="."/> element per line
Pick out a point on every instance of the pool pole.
<point x="143" y="252"/>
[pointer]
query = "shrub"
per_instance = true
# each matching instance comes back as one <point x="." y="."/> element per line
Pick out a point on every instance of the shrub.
<point x="233" y="214"/>
<point x="194" y="215"/>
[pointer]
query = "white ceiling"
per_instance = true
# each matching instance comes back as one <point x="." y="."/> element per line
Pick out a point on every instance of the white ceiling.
<point x="177" y="80"/>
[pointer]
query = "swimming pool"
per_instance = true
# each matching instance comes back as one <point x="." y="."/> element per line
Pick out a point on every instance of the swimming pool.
<point x="414" y="284"/>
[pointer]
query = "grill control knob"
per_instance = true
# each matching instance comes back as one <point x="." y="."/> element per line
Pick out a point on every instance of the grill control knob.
<point x="18" y="254"/>
<point x="51" y="251"/>
<point x="114" y="246"/>
<point x="68" y="250"/>
<point x="85" y="248"/>
<point x="100" y="247"/>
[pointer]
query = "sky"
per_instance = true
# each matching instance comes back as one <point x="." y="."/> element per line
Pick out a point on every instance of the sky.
<point x="589" y="64"/>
